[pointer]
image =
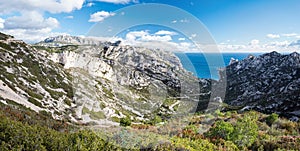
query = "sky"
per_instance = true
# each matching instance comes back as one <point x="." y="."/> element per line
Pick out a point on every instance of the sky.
<point x="233" y="25"/>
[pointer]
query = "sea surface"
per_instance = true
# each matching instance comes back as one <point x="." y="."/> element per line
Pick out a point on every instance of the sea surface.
<point x="206" y="65"/>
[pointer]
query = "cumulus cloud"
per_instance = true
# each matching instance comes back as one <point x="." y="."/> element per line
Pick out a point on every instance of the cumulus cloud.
<point x="165" y="32"/>
<point x="180" y="21"/>
<point x="31" y="35"/>
<point x="2" y="23"/>
<point x="181" y="39"/>
<point x="90" y="4"/>
<point x="132" y="36"/>
<point x="289" y="35"/>
<point x="160" y="40"/>
<point x="30" y="20"/>
<point x="279" y="46"/>
<point x="30" y="24"/>
<point x="193" y="36"/>
<point x="100" y="16"/>
<point x="119" y="1"/>
<point x="254" y="42"/>
<point x="184" y="21"/>
<point x="69" y="17"/>
<point x="145" y="36"/>
<point x="52" y="6"/>
<point x="273" y="36"/>
<point x="174" y="21"/>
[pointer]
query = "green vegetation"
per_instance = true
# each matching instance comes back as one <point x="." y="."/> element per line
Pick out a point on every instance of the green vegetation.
<point x="5" y="46"/>
<point x="57" y="49"/>
<point x="22" y="129"/>
<point x="271" y="119"/>
<point x="17" y="136"/>
<point x="245" y="131"/>
<point x="68" y="101"/>
<point x="125" y="121"/>
<point x="155" y="120"/>
<point x="108" y="92"/>
<point x="35" y="102"/>
<point x="93" y="115"/>
<point x="4" y="36"/>
<point x="221" y="130"/>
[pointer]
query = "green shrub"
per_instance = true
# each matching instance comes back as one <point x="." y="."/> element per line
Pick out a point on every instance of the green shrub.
<point x="245" y="131"/>
<point x="125" y="121"/>
<point x="193" y="145"/>
<point x="221" y="129"/>
<point x="155" y="120"/>
<point x="271" y="119"/>
<point x="35" y="102"/>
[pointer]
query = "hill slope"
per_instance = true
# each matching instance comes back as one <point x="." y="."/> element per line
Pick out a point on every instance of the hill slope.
<point x="268" y="83"/>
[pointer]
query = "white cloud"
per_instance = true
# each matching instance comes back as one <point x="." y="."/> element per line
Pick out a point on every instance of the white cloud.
<point x="184" y="21"/>
<point x="32" y="35"/>
<point x="273" y="36"/>
<point x="185" y="44"/>
<point x="132" y="36"/>
<point x="165" y="32"/>
<point x="52" y="6"/>
<point x="193" y="36"/>
<point x="254" y="42"/>
<point x="30" y="26"/>
<point x="119" y="1"/>
<point x="30" y="23"/>
<point x="100" y="16"/>
<point x="145" y="36"/>
<point x="279" y="46"/>
<point x="90" y="4"/>
<point x="156" y="38"/>
<point x="290" y="35"/>
<point x="30" y="30"/>
<point x="181" y="21"/>
<point x="69" y="17"/>
<point x="2" y="23"/>
<point x="30" y="20"/>
<point x="181" y="39"/>
<point x="159" y="40"/>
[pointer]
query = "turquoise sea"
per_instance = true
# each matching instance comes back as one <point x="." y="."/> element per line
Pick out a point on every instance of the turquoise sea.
<point x="207" y="65"/>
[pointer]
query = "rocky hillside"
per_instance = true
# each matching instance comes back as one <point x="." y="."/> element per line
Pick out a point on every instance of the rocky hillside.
<point x="90" y="81"/>
<point x="29" y="79"/>
<point x="268" y="83"/>
<point x="94" y="82"/>
<point x="66" y="39"/>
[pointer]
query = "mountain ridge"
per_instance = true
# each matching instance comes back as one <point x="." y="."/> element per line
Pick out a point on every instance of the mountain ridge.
<point x="101" y="82"/>
<point x="268" y="83"/>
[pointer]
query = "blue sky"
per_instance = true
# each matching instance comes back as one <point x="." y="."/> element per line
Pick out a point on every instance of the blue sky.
<point x="235" y="25"/>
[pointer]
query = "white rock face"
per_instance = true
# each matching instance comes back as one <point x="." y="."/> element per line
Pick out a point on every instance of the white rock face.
<point x="94" y="66"/>
<point x="111" y="78"/>
<point x="8" y="93"/>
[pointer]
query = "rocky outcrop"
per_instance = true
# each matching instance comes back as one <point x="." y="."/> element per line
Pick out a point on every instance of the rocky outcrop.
<point x="63" y="40"/>
<point x="268" y="83"/>
<point x="86" y="80"/>
<point x="29" y="79"/>
<point x="126" y="80"/>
